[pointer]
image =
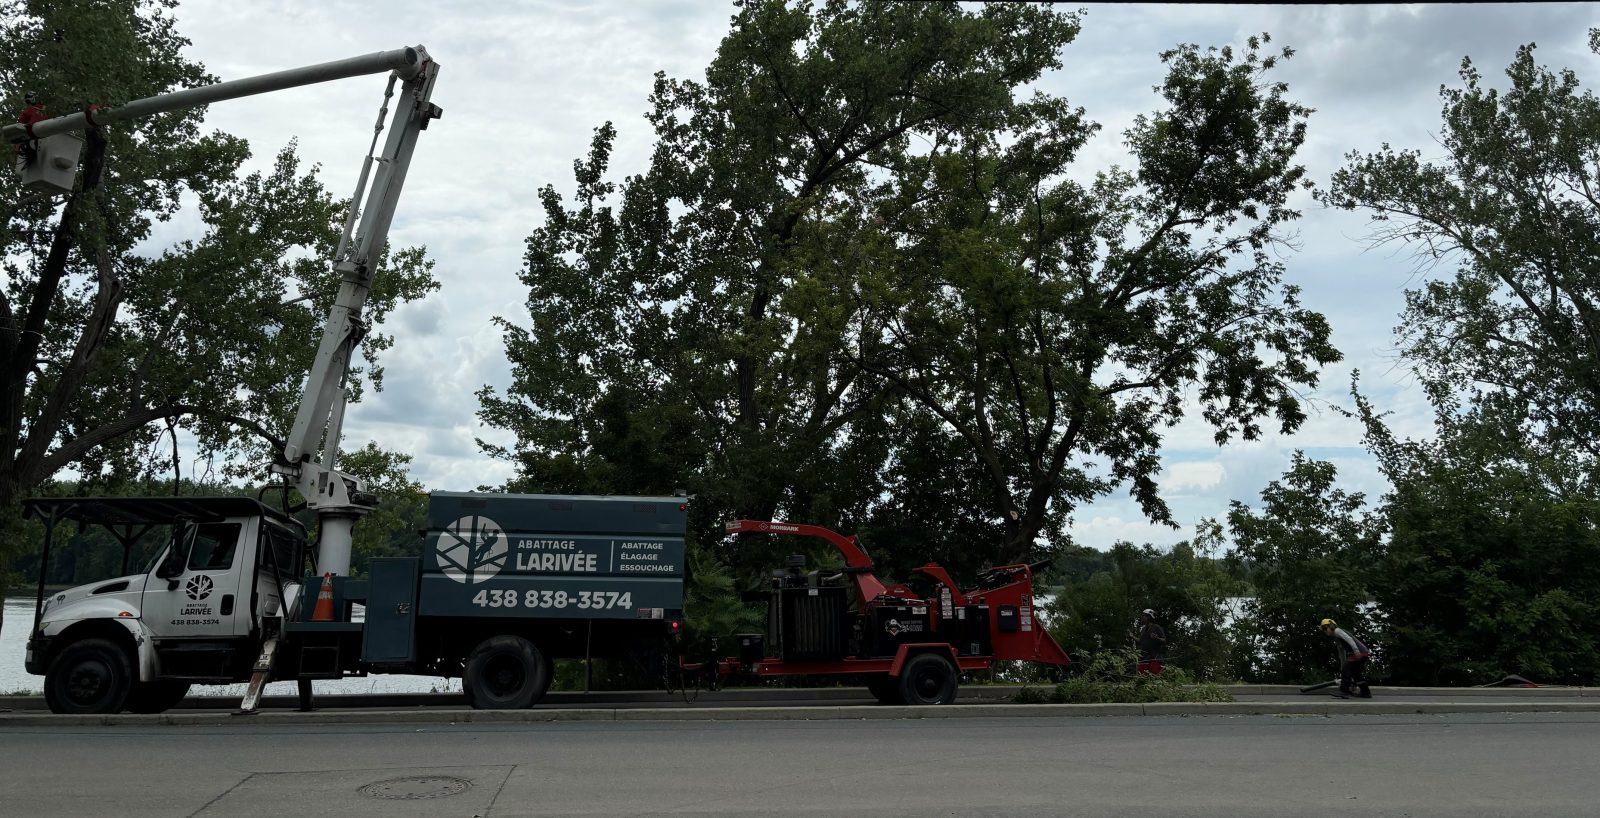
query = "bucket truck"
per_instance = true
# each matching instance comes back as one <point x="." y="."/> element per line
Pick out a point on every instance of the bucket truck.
<point x="228" y="597"/>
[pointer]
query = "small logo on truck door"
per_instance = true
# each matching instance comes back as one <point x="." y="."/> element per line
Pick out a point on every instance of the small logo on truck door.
<point x="471" y="550"/>
<point x="198" y="588"/>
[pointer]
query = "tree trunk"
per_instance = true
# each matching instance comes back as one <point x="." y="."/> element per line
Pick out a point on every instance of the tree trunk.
<point x="10" y="525"/>
<point x="1018" y="546"/>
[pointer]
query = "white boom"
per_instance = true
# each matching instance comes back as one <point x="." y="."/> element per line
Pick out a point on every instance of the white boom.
<point x="338" y="499"/>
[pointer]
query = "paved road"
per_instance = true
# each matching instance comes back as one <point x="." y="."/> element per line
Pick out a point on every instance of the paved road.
<point x="1457" y="766"/>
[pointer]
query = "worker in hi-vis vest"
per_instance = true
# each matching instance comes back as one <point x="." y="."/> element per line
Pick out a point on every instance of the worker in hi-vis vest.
<point x="1353" y="656"/>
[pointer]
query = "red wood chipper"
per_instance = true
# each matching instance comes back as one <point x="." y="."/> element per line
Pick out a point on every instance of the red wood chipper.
<point x="907" y="649"/>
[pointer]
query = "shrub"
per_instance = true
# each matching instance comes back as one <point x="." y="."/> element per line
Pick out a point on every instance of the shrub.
<point x="1035" y="695"/>
<point x="1109" y="677"/>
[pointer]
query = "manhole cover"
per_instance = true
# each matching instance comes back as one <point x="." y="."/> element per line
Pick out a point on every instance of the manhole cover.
<point x="417" y="787"/>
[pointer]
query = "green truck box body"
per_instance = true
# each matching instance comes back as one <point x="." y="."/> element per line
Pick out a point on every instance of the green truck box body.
<point x="559" y="556"/>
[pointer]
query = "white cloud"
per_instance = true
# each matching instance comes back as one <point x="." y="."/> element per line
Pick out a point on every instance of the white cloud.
<point x="1179" y="478"/>
<point x="1105" y="530"/>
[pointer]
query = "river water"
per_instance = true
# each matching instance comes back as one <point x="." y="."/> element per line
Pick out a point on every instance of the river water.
<point x="14" y="679"/>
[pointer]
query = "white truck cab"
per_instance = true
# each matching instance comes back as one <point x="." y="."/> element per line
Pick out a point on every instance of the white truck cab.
<point x="194" y="615"/>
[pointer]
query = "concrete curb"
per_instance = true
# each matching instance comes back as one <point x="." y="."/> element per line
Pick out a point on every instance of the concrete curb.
<point x="809" y="713"/>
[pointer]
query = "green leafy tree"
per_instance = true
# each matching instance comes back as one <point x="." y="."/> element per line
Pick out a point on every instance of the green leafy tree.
<point x="935" y="501"/>
<point x="1514" y="204"/>
<point x="1307" y="550"/>
<point x="1058" y="328"/>
<point x="100" y="345"/>
<point x="687" y="326"/>
<point x="392" y="529"/>
<point x="1487" y="572"/>
<point x="1188" y="587"/>
<point x="70" y="55"/>
<point x="851" y="250"/>
<point x="1490" y="566"/>
<point x="713" y="609"/>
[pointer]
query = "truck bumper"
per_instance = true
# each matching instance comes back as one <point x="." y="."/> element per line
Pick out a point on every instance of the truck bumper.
<point x="34" y="660"/>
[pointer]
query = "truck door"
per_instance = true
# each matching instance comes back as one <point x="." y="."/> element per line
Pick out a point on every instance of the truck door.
<point x="198" y="587"/>
<point x="278" y="555"/>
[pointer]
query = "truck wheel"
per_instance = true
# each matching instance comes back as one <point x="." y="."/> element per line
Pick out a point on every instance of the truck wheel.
<point x="928" y="679"/>
<point x="89" y="676"/>
<point x="505" y="673"/>
<point x="884" y="688"/>
<point x="156" y="697"/>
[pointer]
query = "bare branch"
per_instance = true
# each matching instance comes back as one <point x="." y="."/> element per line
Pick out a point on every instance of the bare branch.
<point x="81" y="445"/>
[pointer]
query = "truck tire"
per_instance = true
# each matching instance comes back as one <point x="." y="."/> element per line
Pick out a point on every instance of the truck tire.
<point x="928" y="678"/>
<point x="884" y="688"/>
<point x="156" y="697"/>
<point x="505" y="673"/>
<point x="89" y="676"/>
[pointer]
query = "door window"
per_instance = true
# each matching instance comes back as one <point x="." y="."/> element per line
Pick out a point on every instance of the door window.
<point x="284" y="551"/>
<point x="214" y="546"/>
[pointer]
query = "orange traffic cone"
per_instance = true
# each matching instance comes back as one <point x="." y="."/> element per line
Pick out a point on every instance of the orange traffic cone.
<point x="324" y="609"/>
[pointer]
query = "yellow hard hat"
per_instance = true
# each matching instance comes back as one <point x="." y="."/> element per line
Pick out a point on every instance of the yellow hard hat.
<point x="1327" y="622"/>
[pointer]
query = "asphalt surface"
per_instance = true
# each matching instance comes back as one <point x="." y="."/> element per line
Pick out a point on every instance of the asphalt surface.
<point x="1458" y="765"/>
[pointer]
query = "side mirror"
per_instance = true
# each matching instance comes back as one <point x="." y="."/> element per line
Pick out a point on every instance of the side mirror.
<point x="177" y="556"/>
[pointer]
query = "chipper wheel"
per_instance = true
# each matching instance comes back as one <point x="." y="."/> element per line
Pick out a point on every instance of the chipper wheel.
<point x="928" y="679"/>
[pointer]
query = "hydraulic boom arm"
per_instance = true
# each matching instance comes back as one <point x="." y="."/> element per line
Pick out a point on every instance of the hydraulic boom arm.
<point x="338" y="499"/>
<point x="406" y="62"/>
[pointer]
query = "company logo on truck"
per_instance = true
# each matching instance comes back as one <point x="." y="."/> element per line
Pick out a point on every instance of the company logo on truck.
<point x="471" y="550"/>
<point x="198" y="588"/>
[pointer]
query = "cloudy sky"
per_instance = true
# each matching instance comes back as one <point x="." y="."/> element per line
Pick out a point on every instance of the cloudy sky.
<point x="524" y="83"/>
